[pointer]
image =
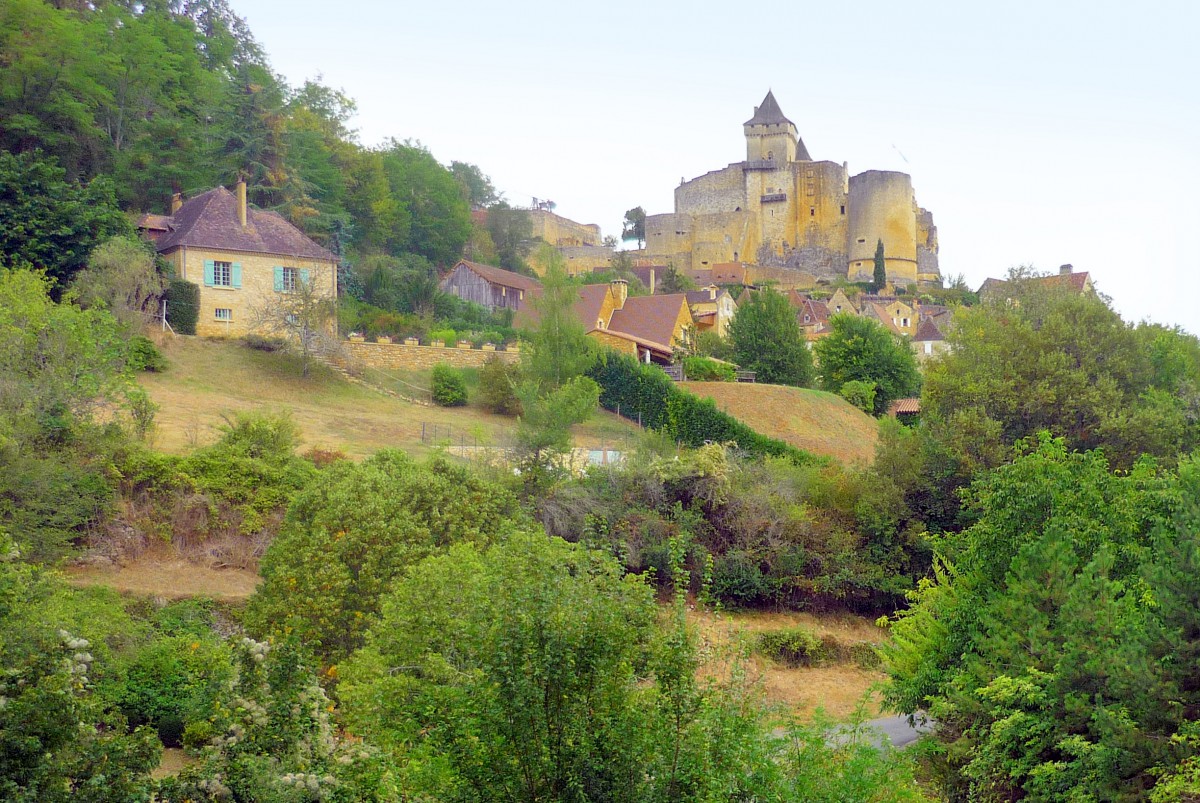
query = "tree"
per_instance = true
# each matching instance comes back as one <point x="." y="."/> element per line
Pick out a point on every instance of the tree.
<point x="766" y="339"/>
<point x="879" y="278"/>
<point x="674" y="281"/>
<point x="353" y="531"/>
<point x="1067" y="363"/>
<point x="120" y="277"/>
<point x="59" y="740"/>
<point x="634" y="227"/>
<point x="860" y="350"/>
<point x="511" y="231"/>
<point x="304" y="315"/>
<point x="481" y="193"/>
<point x="530" y="649"/>
<point x="52" y="224"/>
<point x="559" y="349"/>
<point x="436" y="205"/>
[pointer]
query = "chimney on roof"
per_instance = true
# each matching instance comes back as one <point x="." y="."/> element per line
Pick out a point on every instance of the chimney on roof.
<point x="241" y="201"/>
<point x="620" y="290"/>
<point x="176" y="202"/>
<point x="1066" y="270"/>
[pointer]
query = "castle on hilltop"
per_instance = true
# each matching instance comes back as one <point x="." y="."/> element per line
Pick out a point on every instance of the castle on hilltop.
<point x="781" y="208"/>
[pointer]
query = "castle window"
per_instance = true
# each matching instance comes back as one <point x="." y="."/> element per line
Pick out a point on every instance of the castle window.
<point x="770" y="155"/>
<point x="812" y="211"/>
<point x="862" y="239"/>
<point x="843" y="209"/>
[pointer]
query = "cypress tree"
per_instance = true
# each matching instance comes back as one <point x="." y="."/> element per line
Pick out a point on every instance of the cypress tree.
<point x="879" y="280"/>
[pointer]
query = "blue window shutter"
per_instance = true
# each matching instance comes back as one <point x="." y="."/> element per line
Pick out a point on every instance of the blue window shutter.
<point x="235" y="273"/>
<point x="278" y="279"/>
<point x="304" y="277"/>
<point x="209" y="279"/>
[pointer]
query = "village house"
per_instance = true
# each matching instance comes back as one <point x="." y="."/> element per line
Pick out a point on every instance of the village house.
<point x="928" y="342"/>
<point x="243" y="259"/>
<point x="1000" y="290"/>
<point x="712" y="309"/>
<point x="489" y="286"/>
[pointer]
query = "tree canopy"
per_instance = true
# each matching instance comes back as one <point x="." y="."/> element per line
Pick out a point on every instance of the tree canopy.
<point x="858" y="349"/>
<point x="766" y="338"/>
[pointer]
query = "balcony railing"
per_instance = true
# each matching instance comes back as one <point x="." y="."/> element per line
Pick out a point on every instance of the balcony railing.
<point x="775" y="196"/>
<point x="760" y="164"/>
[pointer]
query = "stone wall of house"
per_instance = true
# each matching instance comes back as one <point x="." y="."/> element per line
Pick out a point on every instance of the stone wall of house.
<point x="250" y="305"/>
<point x="392" y="356"/>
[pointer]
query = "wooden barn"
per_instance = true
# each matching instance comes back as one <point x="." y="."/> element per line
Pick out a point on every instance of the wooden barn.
<point x="494" y="288"/>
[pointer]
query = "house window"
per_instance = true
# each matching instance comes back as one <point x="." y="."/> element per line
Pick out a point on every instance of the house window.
<point x="929" y="347"/>
<point x="223" y="314"/>
<point x="291" y="279"/>
<point x="222" y="274"/>
<point x="904" y="322"/>
<point x="291" y="319"/>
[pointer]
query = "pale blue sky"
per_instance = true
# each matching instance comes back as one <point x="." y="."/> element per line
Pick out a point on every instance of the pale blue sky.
<point x="1036" y="132"/>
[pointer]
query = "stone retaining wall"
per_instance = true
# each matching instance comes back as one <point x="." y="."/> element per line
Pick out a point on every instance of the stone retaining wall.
<point x="398" y="355"/>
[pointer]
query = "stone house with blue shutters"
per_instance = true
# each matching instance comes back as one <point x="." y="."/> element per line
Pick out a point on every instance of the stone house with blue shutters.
<point x="242" y="258"/>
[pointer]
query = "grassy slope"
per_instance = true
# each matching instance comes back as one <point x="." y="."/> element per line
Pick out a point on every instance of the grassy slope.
<point x="814" y="420"/>
<point x="208" y="379"/>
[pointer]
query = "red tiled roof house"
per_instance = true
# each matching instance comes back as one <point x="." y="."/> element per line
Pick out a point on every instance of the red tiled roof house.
<point x="242" y="259"/>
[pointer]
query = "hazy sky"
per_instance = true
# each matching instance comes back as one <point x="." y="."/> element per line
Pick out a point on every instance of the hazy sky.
<point x="1036" y="132"/>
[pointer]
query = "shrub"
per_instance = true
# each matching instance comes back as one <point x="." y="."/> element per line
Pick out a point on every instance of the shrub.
<point x="793" y="646"/>
<point x="183" y="306"/>
<point x="497" y="387"/>
<point x="449" y="387"/>
<point x="144" y="356"/>
<point x="860" y="393"/>
<point x="738" y="580"/>
<point x="262" y="343"/>
<point x="703" y="369"/>
<point x="447" y="336"/>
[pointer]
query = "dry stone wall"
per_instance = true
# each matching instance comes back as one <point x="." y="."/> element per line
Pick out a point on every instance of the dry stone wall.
<point x="392" y="356"/>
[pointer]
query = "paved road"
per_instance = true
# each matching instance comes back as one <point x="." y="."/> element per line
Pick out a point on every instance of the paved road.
<point x="897" y="730"/>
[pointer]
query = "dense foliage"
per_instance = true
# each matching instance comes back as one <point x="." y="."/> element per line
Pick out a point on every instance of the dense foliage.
<point x="352" y="532"/>
<point x="1056" y="645"/>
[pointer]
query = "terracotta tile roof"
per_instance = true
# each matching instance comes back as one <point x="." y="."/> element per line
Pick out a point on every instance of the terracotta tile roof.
<point x="500" y="276"/>
<point x="591" y="301"/>
<point x="210" y="220"/>
<point x="700" y="297"/>
<point x="905" y="406"/>
<point x="650" y="344"/>
<point x="817" y="312"/>
<point x="928" y="330"/>
<point x="1076" y="281"/>
<point x="879" y="313"/>
<point x="649" y="317"/>
<point x="154" y="222"/>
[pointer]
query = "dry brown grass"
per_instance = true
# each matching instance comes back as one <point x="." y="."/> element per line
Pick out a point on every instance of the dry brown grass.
<point x="167" y="576"/>
<point x="813" y="420"/>
<point x="210" y="378"/>
<point x="795" y="691"/>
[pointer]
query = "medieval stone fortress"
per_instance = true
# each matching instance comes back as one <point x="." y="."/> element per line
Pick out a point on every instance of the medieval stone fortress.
<point x="781" y="208"/>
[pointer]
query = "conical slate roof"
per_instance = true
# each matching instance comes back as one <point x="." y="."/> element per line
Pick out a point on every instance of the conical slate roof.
<point x="768" y="113"/>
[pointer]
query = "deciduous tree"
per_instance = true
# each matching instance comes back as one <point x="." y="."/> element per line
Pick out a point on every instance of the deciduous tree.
<point x="766" y="339"/>
<point x="859" y="349"/>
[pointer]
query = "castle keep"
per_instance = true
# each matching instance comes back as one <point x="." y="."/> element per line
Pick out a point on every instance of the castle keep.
<point x="781" y="208"/>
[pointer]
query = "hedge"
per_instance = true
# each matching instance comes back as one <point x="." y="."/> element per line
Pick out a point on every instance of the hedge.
<point x="183" y="306"/>
<point x="643" y="392"/>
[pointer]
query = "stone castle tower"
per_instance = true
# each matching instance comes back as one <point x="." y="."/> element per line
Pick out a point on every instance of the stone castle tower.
<point x="781" y="208"/>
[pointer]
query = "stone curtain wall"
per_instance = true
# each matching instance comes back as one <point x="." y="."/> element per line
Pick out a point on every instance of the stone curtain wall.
<point x="400" y="356"/>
